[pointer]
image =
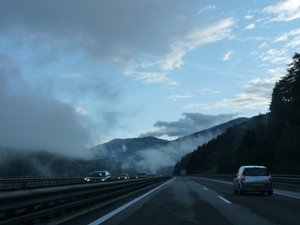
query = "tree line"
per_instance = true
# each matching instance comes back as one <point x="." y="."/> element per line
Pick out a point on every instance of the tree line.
<point x="271" y="139"/>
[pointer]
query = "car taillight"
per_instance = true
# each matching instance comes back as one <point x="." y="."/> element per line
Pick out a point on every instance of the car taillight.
<point x="270" y="177"/>
<point x="243" y="177"/>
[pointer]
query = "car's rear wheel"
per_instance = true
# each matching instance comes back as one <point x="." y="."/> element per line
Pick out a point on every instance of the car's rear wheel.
<point x="234" y="191"/>
<point x="240" y="192"/>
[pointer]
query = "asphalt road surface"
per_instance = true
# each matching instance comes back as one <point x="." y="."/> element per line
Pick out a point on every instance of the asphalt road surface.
<point x="192" y="200"/>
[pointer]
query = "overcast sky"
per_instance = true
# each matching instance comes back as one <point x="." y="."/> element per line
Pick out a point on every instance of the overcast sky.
<point x="74" y="74"/>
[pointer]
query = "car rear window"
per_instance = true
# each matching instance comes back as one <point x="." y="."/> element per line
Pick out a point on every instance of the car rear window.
<point x="255" y="172"/>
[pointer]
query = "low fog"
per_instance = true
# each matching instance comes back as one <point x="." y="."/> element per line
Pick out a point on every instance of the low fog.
<point x="161" y="159"/>
<point x="32" y="119"/>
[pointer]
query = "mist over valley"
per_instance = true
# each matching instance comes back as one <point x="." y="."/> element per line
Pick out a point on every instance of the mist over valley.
<point x="131" y="155"/>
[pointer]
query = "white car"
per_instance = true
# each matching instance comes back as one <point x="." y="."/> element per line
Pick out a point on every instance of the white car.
<point x="142" y="175"/>
<point x="253" y="178"/>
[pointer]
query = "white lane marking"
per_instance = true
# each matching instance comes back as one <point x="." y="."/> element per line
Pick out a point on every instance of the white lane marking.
<point x="286" y="195"/>
<point x="225" y="200"/>
<point x="109" y="215"/>
<point x="205" y="188"/>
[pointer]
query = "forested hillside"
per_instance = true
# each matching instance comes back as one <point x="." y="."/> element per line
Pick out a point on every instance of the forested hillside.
<point x="271" y="139"/>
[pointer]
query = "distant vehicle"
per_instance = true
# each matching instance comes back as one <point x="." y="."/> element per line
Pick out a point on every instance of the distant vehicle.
<point x="183" y="173"/>
<point x="142" y="175"/>
<point x="153" y="175"/>
<point x="98" y="176"/>
<point x="253" y="178"/>
<point x="123" y="176"/>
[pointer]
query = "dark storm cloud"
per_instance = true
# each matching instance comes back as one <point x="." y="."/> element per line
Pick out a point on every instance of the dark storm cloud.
<point x="191" y="123"/>
<point x="101" y="28"/>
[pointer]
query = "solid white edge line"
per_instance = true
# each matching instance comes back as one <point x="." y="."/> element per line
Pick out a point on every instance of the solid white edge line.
<point x="205" y="188"/>
<point x="109" y="215"/>
<point x="225" y="200"/>
<point x="286" y="195"/>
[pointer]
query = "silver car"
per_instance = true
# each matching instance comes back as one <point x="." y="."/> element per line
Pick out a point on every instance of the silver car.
<point x="253" y="179"/>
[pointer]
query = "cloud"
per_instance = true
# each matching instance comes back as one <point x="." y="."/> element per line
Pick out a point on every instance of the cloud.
<point x="228" y="55"/>
<point x="35" y="122"/>
<point x="190" y="123"/>
<point x="257" y="93"/>
<point x="81" y="111"/>
<point x="176" y="97"/>
<point x="263" y="45"/>
<point x="293" y="43"/>
<point x="196" y="38"/>
<point x="285" y="36"/>
<point x="275" y="56"/>
<point x="32" y="118"/>
<point x="284" y="10"/>
<point x="250" y="26"/>
<point x="82" y="24"/>
<point x="82" y="29"/>
<point x="213" y="7"/>
<point x="100" y="30"/>
<point x="154" y="77"/>
<point x="190" y="41"/>
<point x="248" y="17"/>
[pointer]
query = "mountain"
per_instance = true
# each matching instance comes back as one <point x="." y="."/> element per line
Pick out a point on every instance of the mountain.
<point x="157" y="155"/>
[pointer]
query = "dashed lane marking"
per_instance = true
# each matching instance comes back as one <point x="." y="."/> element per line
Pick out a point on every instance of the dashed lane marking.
<point x="224" y="199"/>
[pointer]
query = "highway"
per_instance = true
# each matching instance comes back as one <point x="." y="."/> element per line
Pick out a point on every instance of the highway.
<point x="192" y="200"/>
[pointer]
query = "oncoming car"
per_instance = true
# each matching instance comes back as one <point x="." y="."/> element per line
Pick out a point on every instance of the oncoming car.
<point x="123" y="176"/>
<point x="142" y="175"/>
<point x="253" y="178"/>
<point x="98" y="176"/>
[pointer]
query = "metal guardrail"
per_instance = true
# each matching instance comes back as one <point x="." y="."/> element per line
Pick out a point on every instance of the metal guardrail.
<point x="29" y="183"/>
<point x="25" y="183"/>
<point x="291" y="182"/>
<point x="40" y="205"/>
